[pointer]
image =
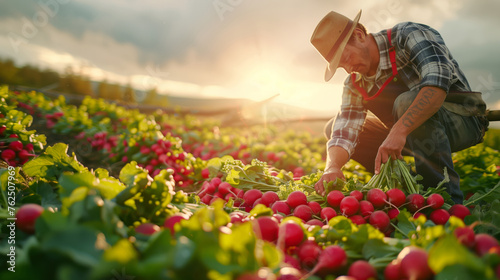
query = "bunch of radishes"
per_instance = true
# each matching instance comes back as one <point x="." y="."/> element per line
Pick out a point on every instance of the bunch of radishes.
<point x="13" y="150"/>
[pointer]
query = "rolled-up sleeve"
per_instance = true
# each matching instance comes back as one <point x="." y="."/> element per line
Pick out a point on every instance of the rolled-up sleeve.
<point x="349" y="121"/>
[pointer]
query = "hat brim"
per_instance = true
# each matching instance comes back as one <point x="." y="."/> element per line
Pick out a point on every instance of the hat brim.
<point x="332" y="66"/>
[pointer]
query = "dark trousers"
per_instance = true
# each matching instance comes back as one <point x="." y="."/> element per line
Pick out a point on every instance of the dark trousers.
<point x="431" y="144"/>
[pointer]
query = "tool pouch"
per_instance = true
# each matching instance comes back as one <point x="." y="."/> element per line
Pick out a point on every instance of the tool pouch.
<point x="465" y="103"/>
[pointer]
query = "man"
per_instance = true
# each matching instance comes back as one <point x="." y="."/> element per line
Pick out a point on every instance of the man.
<point x="405" y="95"/>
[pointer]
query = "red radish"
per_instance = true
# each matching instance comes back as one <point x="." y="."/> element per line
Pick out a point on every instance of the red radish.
<point x="357" y="219"/>
<point x="257" y="202"/>
<point x="414" y="263"/>
<point x="229" y="196"/>
<point x="236" y="217"/>
<point x="205" y="173"/>
<point x="484" y="242"/>
<point x="172" y="220"/>
<point x="291" y="261"/>
<point x="251" y="196"/>
<point x="281" y="207"/>
<point x="465" y="236"/>
<point x="216" y="181"/>
<point x="418" y="214"/>
<point x="296" y="198"/>
<point x="269" y="197"/>
<point x="210" y="188"/>
<point x="303" y="212"/>
<point x="334" y="198"/>
<point x="278" y="217"/>
<point x="459" y="210"/>
<point x="439" y="216"/>
<point x="362" y="270"/>
<point x="224" y="188"/>
<point x="16" y="146"/>
<point x="416" y="201"/>
<point x="327" y="213"/>
<point x="396" y="197"/>
<point x="8" y="154"/>
<point x="266" y="228"/>
<point x="349" y="206"/>
<point x="380" y="220"/>
<point x="147" y="229"/>
<point x="308" y="253"/>
<point x="291" y="233"/>
<point x="331" y="260"/>
<point x="366" y="208"/>
<point x="315" y="207"/>
<point x="315" y="222"/>
<point x="206" y="199"/>
<point x="393" y="213"/>
<point x="27" y="215"/>
<point x="357" y="194"/>
<point x="2" y="129"/>
<point x="377" y="197"/>
<point x="393" y="271"/>
<point x="435" y="201"/>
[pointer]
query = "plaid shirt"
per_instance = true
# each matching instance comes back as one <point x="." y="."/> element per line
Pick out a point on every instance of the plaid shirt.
<point x="422" y="60"/>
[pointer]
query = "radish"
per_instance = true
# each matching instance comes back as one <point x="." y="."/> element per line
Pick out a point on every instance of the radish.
<point x="315" y="207"/>
<point x="414" y="263"/>
<point x="266" y="228"/>
<point x="315" y="222"/>
<point x="362" y="270"/>
<point x="281" y="207"/>
<point x="439" y="216"/>
<point x="357" y="194"/>
<point x="224" y="188"/>
<point x="8" y="154"/>
<point x="172" y="220"/>
<point x="296" y="198"/>
<point x="291" y="261"/>
<point x="484" y="242"/>
<point x="269" y="197"/>
<point x="256" y="202"/>
<point x="396" y="197"/>
<point x="16" y="146"/>
<point x="416" y="201"/>
<point x="418" y="214"/>
<point x="334" y="198"/>
<point x="291" y="233"/>
<point x="303" y="212"/>
<point x="147" y="229"/>
<point x="380" y="220"/>
<point x="330" y="261"/>
<point x="366" y="208"/>
<point x="459" y="210"/>
<point x="236" y="217"/>
<point x="308" y="253"/>
<point x="349" y="206"/>
<point x="216" y="181"/>
<point x="465" y="236"/>
<point x="327" y="213"/>
<point x="357" y="219"/>
<point x="393" y="271"/>
<point x="393" y="213"/>
<point x="27" y="215"/>
<point x="435" y="201"/>
<point x="251" y="196"/>
<point x="377" y="197"/>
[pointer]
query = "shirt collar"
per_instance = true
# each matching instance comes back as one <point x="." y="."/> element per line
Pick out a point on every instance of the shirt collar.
<point x="383" y="47"/>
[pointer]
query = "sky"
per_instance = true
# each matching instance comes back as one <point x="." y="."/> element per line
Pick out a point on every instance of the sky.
<point x="252" y="49"/>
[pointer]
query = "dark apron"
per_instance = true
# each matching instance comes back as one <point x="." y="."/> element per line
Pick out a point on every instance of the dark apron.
<point x="382" y="105"/>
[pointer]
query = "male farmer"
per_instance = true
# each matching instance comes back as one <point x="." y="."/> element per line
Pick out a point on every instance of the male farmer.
<point x="405" y="95"/>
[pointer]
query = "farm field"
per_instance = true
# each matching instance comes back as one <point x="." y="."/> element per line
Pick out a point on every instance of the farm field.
<point x="98" y="191"/>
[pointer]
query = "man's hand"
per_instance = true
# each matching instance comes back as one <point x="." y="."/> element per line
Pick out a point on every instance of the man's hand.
<point x="391" y="147"/>
<point x="328" y="176"/>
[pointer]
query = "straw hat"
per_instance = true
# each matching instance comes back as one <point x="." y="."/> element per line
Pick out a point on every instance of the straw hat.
<point x="330" y="38"/>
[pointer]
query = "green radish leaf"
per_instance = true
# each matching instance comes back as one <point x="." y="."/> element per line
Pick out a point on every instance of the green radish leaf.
<point x="448" y="251"/>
